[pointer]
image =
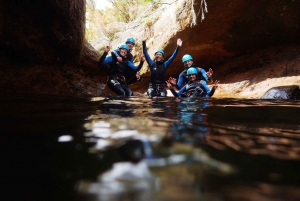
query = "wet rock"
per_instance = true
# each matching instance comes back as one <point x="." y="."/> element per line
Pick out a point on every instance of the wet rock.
<point x="283" y="92"/>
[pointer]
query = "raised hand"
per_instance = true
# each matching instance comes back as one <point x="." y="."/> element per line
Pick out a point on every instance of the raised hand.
<point x="119" y="59"/>
<point x="107" y="48"/>
<point x="138" y="77"/>
<point x="169" y="85"/>
<point x="179" y="42"/>
<point x="142" y="56"/>
<point x="172" y="81"/>
<point x="145" y="37"/>
<point x="215" y="86"/>
<point x="209" y="73"/>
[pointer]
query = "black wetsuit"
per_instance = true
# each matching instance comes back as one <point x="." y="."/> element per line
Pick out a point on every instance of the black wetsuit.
<point x="130" y="73"/>
<point x="157" y="73"/>
<point x="116" y="75"/>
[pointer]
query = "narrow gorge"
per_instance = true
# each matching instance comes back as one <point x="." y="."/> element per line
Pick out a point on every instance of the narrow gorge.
<point x="251" y="46"/>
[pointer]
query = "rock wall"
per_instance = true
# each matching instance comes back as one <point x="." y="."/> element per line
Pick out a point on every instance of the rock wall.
<point x="249" y="44"/>
<point x="42" y="49"/>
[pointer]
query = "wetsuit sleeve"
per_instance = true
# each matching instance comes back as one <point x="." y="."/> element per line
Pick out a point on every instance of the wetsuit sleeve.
<point x="208" y="91"/>
<point x="180" y="81"/>
<point x="104" y="60"/>
<point x="136" y="68"/>
<point x="115" y="52"/>
<point x="183" y="89"/>
<point x="174" y="92"/>
<point x="169" y="61"/>
<point x="145" y="51"/>
<point x="131" y="59"/>
<point x="203" y="72"/>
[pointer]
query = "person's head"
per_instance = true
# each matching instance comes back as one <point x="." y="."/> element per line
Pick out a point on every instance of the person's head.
<point x="159" y="55"/>
<point x="130" y="42"/>
<point x="123" y="49"/>
<point x="192" y="73"/>
<point x="187" y="60"/>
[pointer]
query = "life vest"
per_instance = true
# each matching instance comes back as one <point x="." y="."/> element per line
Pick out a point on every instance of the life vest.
<point x="194" y="89"/>
<point x="157" y="72"/>
<point x="129" y="71"/>
<point x="118" y="68"/>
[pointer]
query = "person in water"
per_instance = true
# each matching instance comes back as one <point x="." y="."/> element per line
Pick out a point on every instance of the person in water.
<point x="116" y="74"/>
<point x="193" y="88"/>
<point x="187" y="61"/>
<point x="158" y="69"/>
<point x="131" y="75"/>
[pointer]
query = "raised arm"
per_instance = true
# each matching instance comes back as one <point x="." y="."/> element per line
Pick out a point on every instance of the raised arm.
<point x="203" y="73"/>
<point x="209" y="73"/>
<point x="211" y="91"/>
<point x="115" y="52"/>
<point x="169" y="61"/>
<point x="103" y="59"/>
<point x="137" y="68"/>
<point x="145" y="51"/>
<point x="180" y="81"/>
<point x="119" y="58"/>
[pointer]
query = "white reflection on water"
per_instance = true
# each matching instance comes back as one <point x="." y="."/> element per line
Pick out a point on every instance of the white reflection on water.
<point x="122" y="180"/>
<point x="65" y="138"/>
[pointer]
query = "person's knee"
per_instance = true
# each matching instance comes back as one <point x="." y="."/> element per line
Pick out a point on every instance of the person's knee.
<point x="152" y="93"/>
<point x="128" y="92"/>
<point x="116" y="87"/>
<point x="162" y="93"/>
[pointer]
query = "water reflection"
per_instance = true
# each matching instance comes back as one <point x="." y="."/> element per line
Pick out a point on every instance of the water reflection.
<point x="150" y="149"/>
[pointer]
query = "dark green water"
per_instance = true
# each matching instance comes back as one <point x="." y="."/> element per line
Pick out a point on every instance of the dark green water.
<point x="82" y="148"/>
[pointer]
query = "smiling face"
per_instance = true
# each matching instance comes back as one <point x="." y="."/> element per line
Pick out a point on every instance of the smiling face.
<point x="123" y="52"/>
<point x="188" y="63"/>
<point x="192" y="77"/>
<point x="130" y="45"/>
<point x="159" y="56"/>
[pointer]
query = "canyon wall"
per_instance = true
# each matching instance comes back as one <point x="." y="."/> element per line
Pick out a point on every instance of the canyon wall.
<point x="251" y="46"/>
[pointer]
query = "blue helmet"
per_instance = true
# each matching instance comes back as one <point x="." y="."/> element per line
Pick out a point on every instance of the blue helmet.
<point x="124" y="46"/>
<point x="186" y="58"/>
<point x="130" y="40"/>
<point x="161" y="51"/>
<point x="192" y="71"/>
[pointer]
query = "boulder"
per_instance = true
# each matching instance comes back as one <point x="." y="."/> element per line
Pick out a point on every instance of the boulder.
<point x="283" y="92"/>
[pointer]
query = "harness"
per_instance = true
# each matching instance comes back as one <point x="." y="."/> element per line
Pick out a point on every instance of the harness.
<point x="157" y="87"/>
<point x="116" y="79"/>
<point x="157" y="73"/>
<point x="193" y="89"/>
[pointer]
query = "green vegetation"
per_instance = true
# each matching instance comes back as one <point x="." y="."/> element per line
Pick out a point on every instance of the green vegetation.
<point x="127" y="10"/>
<point x="103" y="25"/>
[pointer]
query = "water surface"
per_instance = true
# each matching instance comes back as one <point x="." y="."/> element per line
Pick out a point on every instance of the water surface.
<point x="99" y="148"/>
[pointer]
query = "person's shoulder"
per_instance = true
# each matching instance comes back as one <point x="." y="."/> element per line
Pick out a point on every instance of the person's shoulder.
<point x="198" y="68"/>
<point x="129" y="54"/>
<point x="183" y="72"/>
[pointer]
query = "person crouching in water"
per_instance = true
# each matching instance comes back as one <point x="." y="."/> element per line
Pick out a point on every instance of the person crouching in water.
<point x="193" y="88"/>
<point x="117" y="71"/>
<point x="158" y="69"/>
<point x="131" y="75"/>
<point x="187" y="61"/>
